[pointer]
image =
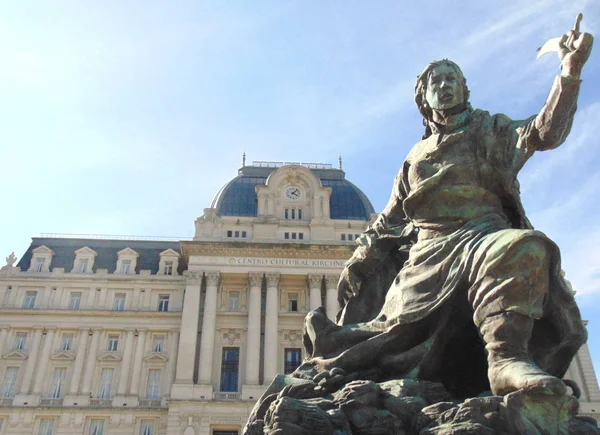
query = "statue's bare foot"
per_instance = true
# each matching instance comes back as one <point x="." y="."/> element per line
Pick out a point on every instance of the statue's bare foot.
<point x="507" y="376"/>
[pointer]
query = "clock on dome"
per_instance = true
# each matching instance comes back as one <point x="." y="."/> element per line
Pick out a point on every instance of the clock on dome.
<point x="293" y="193"/>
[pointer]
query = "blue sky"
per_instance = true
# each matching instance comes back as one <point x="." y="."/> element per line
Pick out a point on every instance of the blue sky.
<point x="127" y="117"/>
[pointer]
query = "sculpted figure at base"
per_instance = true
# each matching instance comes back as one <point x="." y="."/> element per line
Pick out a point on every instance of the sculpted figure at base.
<point x="451" y="287"/>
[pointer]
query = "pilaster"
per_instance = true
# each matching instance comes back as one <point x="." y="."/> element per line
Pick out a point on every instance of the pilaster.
<point x="314" y="285"/>
<point x="42" y="366"/>
<point x="331" y="301"/>
<point x="271" y="357"/>
<point x="253" y="337"/>
<point x="207" y="342"/>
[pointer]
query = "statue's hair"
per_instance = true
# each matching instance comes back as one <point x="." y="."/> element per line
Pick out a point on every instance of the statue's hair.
<point x="421" y="89"/>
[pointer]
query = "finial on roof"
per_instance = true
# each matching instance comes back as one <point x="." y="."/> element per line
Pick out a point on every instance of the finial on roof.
<point x="244" y="159"/>
<point x="340" y="161"/>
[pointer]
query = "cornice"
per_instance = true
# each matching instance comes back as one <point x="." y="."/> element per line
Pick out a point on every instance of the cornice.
<point x="278" y="250"/>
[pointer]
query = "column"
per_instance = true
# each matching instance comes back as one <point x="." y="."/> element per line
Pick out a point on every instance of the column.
<point x="78" y="364"/>
<point x="31" y="360"/>
<point x="314" y="284"/>
<point x="43" y="362"/>
<point x="253" y="339"/>
<point x="172" y="364"/>
<point x="332" y="304"/>
<point x="207" y="344"/>
<point x="126" y="364"/>
<point x="186" y="360"/>
<point x="137" y="363"/>
<point x="3" y="335"/>
<point x="271" y="328"/>
<point x="90" y="366"/>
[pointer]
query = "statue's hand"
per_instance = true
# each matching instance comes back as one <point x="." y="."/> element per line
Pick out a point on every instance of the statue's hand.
<point x="348" y="283"/>
<point x="575" y="49"/>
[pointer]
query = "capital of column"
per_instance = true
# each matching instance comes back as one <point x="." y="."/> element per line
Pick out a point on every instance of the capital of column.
<point x="272" y="279"/>
<point x="193" y="276"/>
<point x="332" y="280"/>
<point x="314" y="281"/>
<point x="255" y="279"/>
<point x="212" y="278"/>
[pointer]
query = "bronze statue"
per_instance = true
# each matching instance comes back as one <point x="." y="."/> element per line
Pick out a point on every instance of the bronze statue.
<point x="452" y="273"/>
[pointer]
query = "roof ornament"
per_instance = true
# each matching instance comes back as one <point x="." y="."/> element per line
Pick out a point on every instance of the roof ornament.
<point x="340" y="161"/>
<point x="244" y="159"/>
<point x="11" y="259"/>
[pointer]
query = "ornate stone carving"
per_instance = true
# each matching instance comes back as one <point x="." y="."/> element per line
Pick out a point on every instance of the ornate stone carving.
<point x="315" y="281"/>
<point x="293" y="337"/>
<point x="193" y="275"/>
<point x="255" y="279"/>
<point x="332" y="280"/>
<point x="272" y="279"/>
<point x="189" y="419"/>
<point x="212" y="278"/>
<point x="11" y="259"/>
<point x="232" y="335"/>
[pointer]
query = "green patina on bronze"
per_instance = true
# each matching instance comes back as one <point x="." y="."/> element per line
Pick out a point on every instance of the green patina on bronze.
<point x="450" y="288"/>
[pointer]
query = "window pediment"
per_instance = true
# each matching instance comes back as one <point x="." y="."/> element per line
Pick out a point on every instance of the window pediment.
<point x="15" y="354"/>
<point x="43" y="250"/>
<point x="110" y="356"/>
<point x="63" y="355"/>
<point x="85" y="252"/>
<point x="156" y="357"/>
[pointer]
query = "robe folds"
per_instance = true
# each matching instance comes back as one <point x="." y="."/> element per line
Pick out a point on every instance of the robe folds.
<point x="453" y="247"/>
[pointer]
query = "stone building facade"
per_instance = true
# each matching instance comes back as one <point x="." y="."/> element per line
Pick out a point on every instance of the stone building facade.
<point x="151" y="337"/>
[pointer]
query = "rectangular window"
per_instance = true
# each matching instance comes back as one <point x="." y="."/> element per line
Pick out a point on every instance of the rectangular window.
<point x="343" y="236"/>
<point x="104" y="391"/>
<point x="29" y="301"/>
<point x="66" y="342"/>
<point x="286" y="235"/>
<point x="229" y="233"/>
<point x="286" y="213"/>
<point x="168" y="268"/>
<point x="292" y="360"/>
<point x="300" y="213"/>
<point x="163" y="303"/>
<point x="20" y="339"/>
<point x="9" y="381"/>
<point x="229" y="369"/>
<point x="83" y="265"/>
<point x="113" y="343"/>
<point x="293" y="236"/>
<point x="96" y="427"/>
<point x="39" y="264"/>
<point x="147" y="427"/>
<point x="243" y="234"/>
<point x="46" y="426"/>
<point x="233" y="303"/>
<point x="293" y="302"/>
<point x="350" y="237"/>
<point x="293" y="213"/>
<point x="74" y="301"/>
<point x="58" y="381"/>
<point x="153" y="385"/>
<point x="301" y="236"/>
<point x="125" y="266"/>
<point x="158" y="343"/>
<point x="356" y="236"/>
<point x="119" y="302"/>
<point x="237" y="234"/>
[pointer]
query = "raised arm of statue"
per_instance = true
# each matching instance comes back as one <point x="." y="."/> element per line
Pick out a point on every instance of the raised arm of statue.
<point x="553" y="123"/>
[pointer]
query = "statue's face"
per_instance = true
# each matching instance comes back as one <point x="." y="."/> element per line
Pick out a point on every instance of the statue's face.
<point x="444" y="88"/>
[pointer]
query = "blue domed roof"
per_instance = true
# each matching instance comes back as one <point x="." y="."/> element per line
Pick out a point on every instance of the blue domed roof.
<point x="238" y="197"/>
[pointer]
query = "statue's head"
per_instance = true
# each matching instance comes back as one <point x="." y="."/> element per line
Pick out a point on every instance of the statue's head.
<point x="441" y="86"/>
